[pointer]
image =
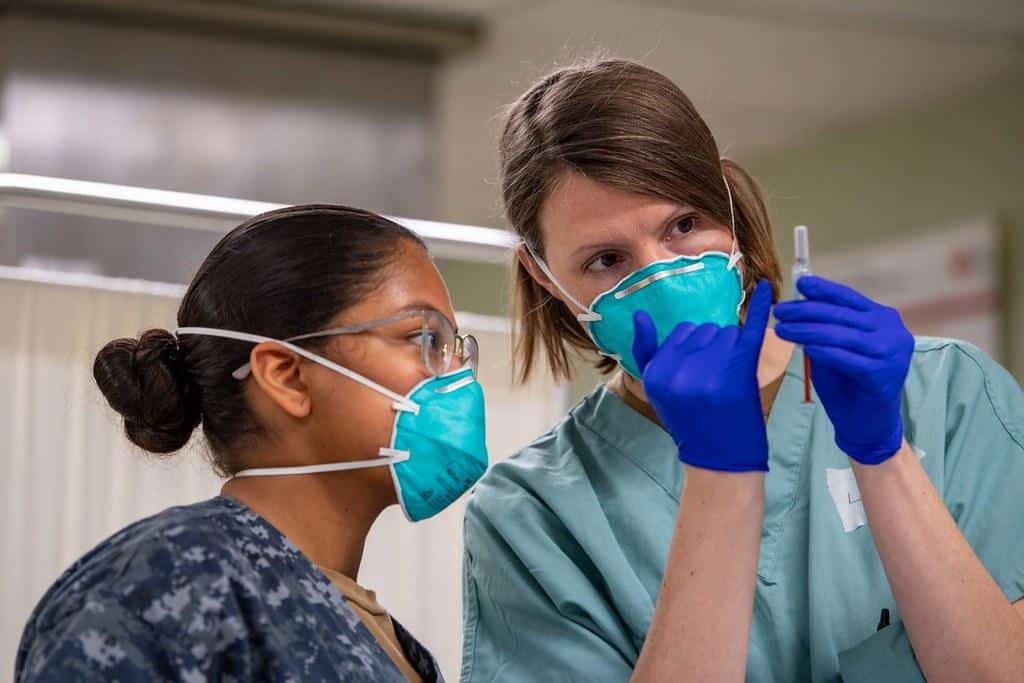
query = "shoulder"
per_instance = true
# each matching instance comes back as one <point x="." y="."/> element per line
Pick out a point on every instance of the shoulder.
<point x="955" y="359"/>
<point x="536" y="495"/>
<point x="527" y="476"/>
<point x="512" y="488"/>
<point x="175" y="578"/>
<point x="952" y="356"/>
<point x="964" y="375"/>
<point x="195" y="541"/>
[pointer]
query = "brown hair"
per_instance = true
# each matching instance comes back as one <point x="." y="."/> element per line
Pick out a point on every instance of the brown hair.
<point x="283" y="273"/>
<point x="625" y="125"/>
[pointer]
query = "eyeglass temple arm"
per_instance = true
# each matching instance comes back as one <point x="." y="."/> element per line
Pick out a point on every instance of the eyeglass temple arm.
<point x="243" y="371"/>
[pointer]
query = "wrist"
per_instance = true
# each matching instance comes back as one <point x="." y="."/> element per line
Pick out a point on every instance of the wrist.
<point x="903" y="457"/>
<point x="876" y="452"/>
<point x="740" y="447"/>
<point x="733" y="487"/>
<point x="722" y="502"/>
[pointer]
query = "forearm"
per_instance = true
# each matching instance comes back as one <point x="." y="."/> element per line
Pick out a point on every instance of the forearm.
<point x="959" y="622"/>
<point x="701" y="625"/>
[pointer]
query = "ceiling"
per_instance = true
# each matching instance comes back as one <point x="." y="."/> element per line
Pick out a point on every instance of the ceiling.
<point x="765" y="74"/>
<point x="996" y="16"/>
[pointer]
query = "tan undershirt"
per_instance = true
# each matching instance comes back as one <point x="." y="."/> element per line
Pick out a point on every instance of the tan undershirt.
<point x="364" y="603"/>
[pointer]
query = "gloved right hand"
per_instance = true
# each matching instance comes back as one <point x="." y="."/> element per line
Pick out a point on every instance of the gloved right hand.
<point x="702" y="383"/>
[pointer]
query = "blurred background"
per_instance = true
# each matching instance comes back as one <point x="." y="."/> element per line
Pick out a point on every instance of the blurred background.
<point x="893" y="128"/>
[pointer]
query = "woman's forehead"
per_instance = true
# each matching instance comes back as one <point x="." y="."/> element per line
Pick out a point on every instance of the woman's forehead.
<point x="580" y="209"/>
<point x="412" y="281"/>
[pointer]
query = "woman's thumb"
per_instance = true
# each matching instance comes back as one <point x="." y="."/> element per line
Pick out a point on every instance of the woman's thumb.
<point x="645" y="339"/>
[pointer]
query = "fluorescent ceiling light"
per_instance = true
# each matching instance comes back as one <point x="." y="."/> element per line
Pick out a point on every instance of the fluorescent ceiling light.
<point x="209" y="212"/>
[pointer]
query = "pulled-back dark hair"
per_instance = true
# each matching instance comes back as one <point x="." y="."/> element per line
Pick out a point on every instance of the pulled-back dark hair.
<point x="280" y="274"/>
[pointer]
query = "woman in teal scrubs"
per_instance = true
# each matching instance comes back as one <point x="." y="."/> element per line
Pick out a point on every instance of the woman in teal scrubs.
<point x="694" y="518"/>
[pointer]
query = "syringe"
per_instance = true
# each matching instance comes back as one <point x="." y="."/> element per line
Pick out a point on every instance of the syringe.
<point x="802" y="260"/>
<point x="801" y="267"/>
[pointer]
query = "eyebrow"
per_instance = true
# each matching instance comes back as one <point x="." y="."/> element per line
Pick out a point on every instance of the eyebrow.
<point x="681" y="210"/>
<point x="596" y="246"/>
<point x="420" y="305"/>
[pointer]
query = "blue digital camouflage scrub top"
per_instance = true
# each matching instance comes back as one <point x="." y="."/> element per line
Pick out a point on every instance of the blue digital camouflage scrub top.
<point x="566" y="541"/>
<point x="204" y="592"/>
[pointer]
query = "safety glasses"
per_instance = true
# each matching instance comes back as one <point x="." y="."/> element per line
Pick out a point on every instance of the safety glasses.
<point x="439" y="343"/>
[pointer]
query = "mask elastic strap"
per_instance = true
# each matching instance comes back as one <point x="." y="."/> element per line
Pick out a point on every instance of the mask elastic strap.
<point x="734" y="255"/>
<point x="588" y="315"/>
<point x="401" y="403"/>
<point x="389" y="456"/>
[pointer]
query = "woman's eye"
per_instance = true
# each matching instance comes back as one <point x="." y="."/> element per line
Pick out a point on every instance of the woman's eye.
<point x="605" y="261"/>
<point x="684" y="226"/>
<point x="431" y="339"/>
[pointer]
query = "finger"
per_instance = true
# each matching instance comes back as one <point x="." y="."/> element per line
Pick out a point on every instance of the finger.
<point x="820" y="289"/>
<point x="823" y="334"/>
<point x="840" y="360"/>
<point x="727" y="336"/>
<point x="758" y="312"/>
<point x="805" y="311"/>
<point x="645" y="339"/>
<point x="701" y="337"/>
<point x="679" y="334"/>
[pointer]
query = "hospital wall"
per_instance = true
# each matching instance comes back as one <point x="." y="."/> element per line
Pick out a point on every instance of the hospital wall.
<point x="917" y="171"/>
<point x="911" y="173"/>
<point x="211" y="112"/>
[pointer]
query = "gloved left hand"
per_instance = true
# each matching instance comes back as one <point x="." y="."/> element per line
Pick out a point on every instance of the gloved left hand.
<point x="860" y="354"/>
<point x="702" y="382"/>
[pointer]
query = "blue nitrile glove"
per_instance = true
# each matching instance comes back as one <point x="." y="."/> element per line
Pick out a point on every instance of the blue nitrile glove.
<point x="702" y="382"/>
<point x="860" y="354"/>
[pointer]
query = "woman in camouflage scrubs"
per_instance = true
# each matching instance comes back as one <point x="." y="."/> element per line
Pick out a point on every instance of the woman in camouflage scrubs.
<point x="231" y="589"/>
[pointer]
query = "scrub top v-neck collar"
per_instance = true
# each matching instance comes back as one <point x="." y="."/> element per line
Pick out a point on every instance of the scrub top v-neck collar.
<point x="651" y="449"/>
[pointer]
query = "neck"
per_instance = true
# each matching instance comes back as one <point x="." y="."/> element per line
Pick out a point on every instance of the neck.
<point x="775" y="357"/>
<point x="327" y="516"/>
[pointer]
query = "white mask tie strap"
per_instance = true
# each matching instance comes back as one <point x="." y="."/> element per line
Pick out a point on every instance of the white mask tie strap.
<point x="401" y="402"/>
<point x="735" y="254"/>
<point x="389" y="456"/>
<point x="587" y="315"/>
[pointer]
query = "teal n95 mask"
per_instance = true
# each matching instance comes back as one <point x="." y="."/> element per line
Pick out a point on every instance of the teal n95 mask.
<point x="437" y="449"/>
<point x="704" y="288"/>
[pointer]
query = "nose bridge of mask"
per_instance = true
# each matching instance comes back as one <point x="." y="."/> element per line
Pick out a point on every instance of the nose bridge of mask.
<point x="648" y="280"/>
<point x="400" y="403"/>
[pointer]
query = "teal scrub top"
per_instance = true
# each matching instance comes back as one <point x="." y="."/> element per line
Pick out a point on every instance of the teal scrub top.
<point x="566" y="541"/>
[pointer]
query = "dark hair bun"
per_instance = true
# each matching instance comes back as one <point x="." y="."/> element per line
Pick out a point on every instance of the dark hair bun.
<point x="145" y="381"/>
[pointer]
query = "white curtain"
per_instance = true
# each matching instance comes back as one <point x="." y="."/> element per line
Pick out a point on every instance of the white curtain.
<point x="69" y="478"/>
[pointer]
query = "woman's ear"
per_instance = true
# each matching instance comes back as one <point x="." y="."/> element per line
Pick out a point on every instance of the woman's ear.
<point x="527" y="261"/>
<point x="276" y="370"/>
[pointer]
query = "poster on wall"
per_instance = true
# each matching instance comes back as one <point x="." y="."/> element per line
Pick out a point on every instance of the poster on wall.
<point x="945" y="283"/>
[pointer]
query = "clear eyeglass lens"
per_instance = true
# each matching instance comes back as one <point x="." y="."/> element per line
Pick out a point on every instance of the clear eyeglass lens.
<point x="438" y="341"/>
<point x="471" y="352"/>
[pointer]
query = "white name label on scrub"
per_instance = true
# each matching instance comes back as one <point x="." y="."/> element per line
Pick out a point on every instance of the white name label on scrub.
<point x="846" y="495"/>
<point x="842" y="485"/>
